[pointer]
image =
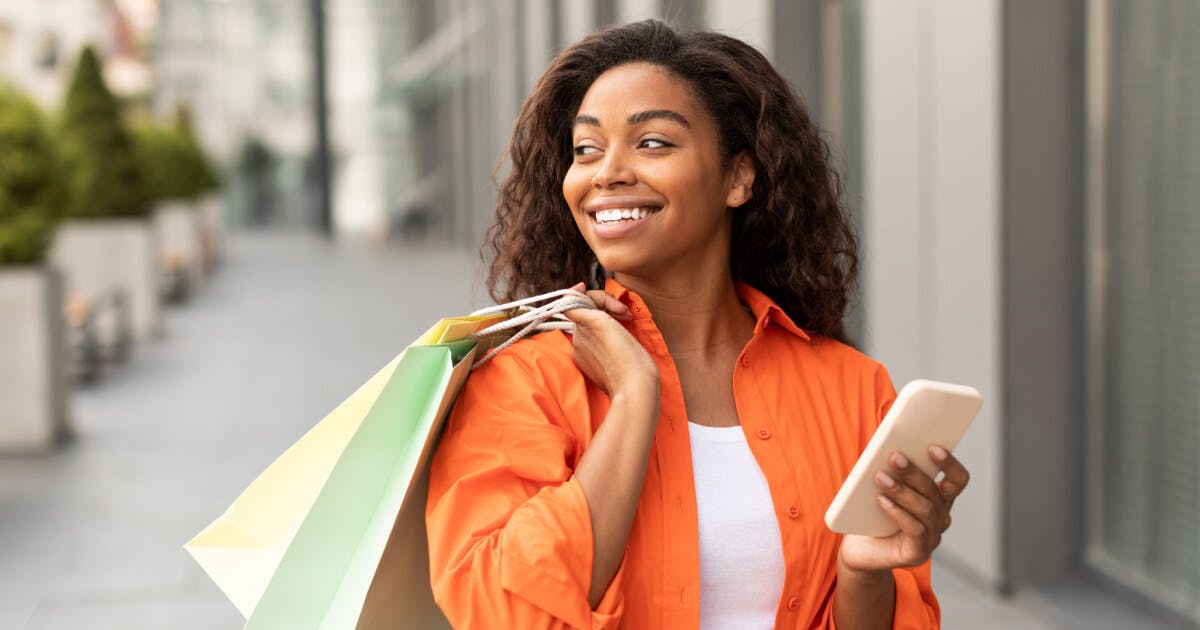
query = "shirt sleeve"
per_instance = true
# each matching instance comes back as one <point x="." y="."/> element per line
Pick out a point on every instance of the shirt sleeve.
<point x="916" y="606"/>
<point x="510" y="535"/>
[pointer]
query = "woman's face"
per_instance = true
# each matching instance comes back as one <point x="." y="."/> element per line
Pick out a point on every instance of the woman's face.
<point x="646" y="187"/>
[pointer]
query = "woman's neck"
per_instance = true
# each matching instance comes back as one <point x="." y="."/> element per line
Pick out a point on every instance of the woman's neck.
<point x="698" y="320"/>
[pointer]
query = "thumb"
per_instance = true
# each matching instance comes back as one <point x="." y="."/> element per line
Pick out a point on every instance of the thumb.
<point x="605" y="302"/>
<point x="609" y="304"/>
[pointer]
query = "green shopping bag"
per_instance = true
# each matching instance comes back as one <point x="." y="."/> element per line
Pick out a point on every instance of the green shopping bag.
<point x="310" y="543"/>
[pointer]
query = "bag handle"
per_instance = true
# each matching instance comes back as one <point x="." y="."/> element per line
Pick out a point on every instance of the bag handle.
<point x="531" y="319"/>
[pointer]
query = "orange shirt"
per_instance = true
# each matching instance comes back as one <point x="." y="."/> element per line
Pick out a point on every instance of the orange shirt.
<point x="510" y="538"/>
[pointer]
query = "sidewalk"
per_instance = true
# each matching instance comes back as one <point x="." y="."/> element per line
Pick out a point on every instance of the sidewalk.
<point x="90" y="536"/>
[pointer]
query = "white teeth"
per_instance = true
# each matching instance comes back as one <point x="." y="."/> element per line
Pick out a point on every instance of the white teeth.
<point x="621" y="214"/>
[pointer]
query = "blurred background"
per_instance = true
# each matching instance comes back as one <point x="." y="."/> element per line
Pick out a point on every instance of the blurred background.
<point x="218" y="217"/>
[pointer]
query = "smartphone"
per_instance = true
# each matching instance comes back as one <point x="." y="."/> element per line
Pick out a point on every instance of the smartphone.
<point x="925" y="413"/>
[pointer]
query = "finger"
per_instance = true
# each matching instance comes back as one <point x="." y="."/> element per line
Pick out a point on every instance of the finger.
<point x="914" y="476"/>
<point x="609" y="304"/>
<point x="587" y="317"/>
<point x="909" y="525"/>
<point x="956" y="475"/>
<point x="594" y="322"/>
<point x="924" y="508"/>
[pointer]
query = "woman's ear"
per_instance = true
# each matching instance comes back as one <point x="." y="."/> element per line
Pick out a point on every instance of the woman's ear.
<point x="741" y="185"/>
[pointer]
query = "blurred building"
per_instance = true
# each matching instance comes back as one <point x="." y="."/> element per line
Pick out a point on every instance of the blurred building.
<point x="421" y="93"/>
<point x="40" y="41"/>
<point x="244" y="70"/>
<point x="1024" y="174"/>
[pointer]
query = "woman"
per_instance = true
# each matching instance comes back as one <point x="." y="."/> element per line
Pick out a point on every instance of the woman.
<point x="669" y="464"/>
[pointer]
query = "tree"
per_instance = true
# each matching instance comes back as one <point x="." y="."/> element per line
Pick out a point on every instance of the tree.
<point x="31" y="190"/>
<point x="104" y="177"/>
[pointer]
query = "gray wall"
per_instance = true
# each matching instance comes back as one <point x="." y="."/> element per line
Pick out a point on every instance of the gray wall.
<point x="797" y="41"/>
<point x="932" y="214"/>
<point x="1043" y="230"/>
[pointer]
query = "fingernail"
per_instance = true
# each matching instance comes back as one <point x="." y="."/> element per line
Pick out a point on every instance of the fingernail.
<point x="885" y="502"/>
<point x="900" y="460"/>
<point x="938" y="453"/>
<point x="884" y="479"/>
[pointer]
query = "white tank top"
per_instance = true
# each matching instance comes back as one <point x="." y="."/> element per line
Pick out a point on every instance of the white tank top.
<point x="741" y="554"/>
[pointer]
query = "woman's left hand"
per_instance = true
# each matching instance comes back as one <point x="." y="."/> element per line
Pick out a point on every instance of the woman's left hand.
<point x="919" y="506"/>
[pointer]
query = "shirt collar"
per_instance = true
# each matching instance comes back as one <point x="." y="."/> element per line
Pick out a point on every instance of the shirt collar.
<point x="764" y="308"/>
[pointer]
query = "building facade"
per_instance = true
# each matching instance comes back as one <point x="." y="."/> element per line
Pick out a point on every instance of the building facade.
<point x="1024" y="178"/>
<point x="1029" y="213"/>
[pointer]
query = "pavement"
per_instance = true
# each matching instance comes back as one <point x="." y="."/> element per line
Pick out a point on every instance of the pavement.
<point x="91" y="534"/>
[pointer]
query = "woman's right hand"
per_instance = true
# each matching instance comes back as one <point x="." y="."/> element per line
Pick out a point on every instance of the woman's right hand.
<point x="604" y="351"/>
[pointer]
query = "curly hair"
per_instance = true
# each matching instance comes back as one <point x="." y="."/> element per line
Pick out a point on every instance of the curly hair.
<point x="793" y="240"/>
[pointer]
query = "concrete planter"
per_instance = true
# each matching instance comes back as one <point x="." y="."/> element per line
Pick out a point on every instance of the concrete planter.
<point x="179" y="228"/>
<point x="33" y="365"/>
<point x="103" y="256"/>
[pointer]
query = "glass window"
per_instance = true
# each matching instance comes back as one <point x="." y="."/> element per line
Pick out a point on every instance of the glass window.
<point x="1144" y="512"/>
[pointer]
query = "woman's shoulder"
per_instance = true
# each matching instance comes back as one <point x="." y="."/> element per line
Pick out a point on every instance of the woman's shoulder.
<point x="839" y="355"/>
<point x="792" y="337"/>
<point x="531" y="385"/>
<point x="842" y="366"/>
<point x="539" y="367"/>
<point x="545" y="353"/>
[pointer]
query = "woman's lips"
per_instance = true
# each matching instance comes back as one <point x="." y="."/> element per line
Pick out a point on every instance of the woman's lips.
<point x="612" y="223"/>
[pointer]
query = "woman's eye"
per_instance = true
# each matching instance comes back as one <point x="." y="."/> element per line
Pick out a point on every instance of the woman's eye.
<point x="655" y="143"/>
<point x="585" y="149"/>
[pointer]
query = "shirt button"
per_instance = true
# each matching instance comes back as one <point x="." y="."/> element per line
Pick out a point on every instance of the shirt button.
<point x="745" y="361"/>
<point x="794" y="512"/>
<point x="793" y="603"/>
<point x="636" y="308"/>
<point x="764" y="434"/>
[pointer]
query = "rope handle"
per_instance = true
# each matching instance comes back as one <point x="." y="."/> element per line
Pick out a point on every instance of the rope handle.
<point x="531" y="319"/>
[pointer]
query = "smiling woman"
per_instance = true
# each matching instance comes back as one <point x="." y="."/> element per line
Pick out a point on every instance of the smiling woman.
<point x="667" y="464"/>
<point x="792" y="239"/>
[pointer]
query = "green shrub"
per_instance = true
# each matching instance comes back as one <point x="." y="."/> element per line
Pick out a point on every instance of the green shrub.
<point x="104" y="177"/>
<point x="31" y="191"/>
<point x="172" y="163"/>
<point x="204" y="175"/>
<point x="160" y="150"/>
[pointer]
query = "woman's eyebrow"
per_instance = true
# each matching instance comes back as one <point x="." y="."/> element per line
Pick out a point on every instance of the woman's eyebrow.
<point x="584" y="119"/>
<point x="664" y="114"/>
<point x="638" y="118"/>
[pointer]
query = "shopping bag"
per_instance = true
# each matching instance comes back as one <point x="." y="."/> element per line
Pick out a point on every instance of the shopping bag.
<point x="332" y="534"/>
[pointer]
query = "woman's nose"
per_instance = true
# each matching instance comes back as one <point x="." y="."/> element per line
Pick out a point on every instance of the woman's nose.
<point x="614" y="170"/>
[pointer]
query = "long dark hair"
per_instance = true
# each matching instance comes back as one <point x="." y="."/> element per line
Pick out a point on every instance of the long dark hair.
<point x="793" y="240"/>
